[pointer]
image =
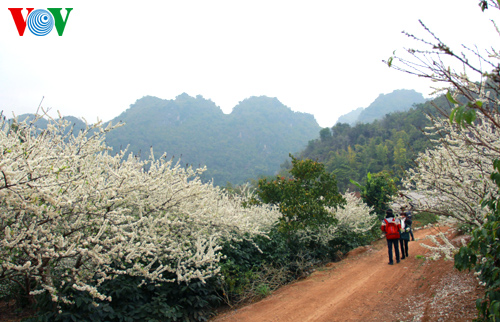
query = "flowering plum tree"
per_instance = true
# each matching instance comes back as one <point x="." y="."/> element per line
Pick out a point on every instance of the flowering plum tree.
<point x="452" y="178"/>
<point x="73" y="212"/>
<point x="456" y="172"/>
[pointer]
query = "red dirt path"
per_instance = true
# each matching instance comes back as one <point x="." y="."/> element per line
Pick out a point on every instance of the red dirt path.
<point x="362" y="287"/>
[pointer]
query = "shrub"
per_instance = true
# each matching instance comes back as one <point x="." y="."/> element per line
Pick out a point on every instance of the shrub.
<point x="151" y="301"/>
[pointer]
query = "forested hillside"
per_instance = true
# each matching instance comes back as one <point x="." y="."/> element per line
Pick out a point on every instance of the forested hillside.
<point x="253" y="140"/>
<point x="260" y="132"/>
<point x="250" y="142"/>
<point x="398" y="100"/>
<point x="390" y="144"/>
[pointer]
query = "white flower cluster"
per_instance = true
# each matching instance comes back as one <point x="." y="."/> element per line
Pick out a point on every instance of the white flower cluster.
<point x="71" y="208"/>
<point x="440" y="248"/>
<point x="354" y="217"/>
<point x="454" y="177"/>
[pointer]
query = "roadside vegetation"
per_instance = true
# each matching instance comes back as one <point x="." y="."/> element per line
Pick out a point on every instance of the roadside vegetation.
<point x="88" y="234"/>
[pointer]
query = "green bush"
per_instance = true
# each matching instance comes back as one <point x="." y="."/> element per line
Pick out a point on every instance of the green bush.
<point x="151" y="302"/>
<point x="249" y="273"/>
<point x="423" y="218"/>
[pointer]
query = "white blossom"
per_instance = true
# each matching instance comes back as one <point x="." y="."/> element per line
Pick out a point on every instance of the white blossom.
<point x="72" y="208"/>
<point x="354" y="217"/>
<point x="453" y="178"/>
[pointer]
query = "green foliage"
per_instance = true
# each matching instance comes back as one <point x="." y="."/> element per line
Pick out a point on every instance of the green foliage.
<point x="249" y="273"/>
<point x="251" y="141"/>
<point x="483" y="255"/>
<point x="132" y="301"/>
<point x="325" y="134"/>
<point x="263" y="290"/>
<point x="302" y="199"/>
<point x="389" y="144"/>
<point x="377" y="191"/>
<point x="465" y="114"/>
<point x="15" y="289"/>
<point x="423" y="218"/>
<point x="244" y="266"/>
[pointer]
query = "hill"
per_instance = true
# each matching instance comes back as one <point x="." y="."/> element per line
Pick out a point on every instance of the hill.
<point x="250" y="142"/>
<point x="397" y="101"/>
<point x="388" y="144"/>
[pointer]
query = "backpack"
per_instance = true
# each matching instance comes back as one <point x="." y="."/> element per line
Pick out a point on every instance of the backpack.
<point x="391" y="230"/>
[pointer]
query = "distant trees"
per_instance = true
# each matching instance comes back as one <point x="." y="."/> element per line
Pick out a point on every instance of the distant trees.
<point x="325" y="134"/>
<point x="390" y="144"/>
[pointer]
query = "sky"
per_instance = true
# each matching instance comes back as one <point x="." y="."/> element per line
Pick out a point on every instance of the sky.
<point x="318" y="57"/>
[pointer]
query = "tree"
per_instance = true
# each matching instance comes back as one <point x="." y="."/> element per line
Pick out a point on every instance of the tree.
<point x="74" y="214"/>
<point x="453" y="178"/>
<point x="378" y="192"/>
<point x="325" y="134"/>
<point x="303" y="198"/>
<point x="470" y="140"/>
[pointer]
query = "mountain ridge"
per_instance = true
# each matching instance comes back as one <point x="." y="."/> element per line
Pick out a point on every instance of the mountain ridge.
<point x="252" y="141"/>
<point x="399" y="100"/>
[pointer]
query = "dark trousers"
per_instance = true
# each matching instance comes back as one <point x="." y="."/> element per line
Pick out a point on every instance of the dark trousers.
<point x="404" y="247"/>
<point x="390" y="244"/>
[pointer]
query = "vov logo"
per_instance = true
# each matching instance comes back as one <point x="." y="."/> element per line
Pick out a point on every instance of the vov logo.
<point x="40" y="21"/>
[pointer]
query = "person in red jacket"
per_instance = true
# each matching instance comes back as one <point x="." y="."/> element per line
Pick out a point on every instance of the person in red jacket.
<point x="391" y="227"/>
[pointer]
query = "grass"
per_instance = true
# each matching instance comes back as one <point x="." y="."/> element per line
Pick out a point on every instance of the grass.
<point x="423" y="218"/>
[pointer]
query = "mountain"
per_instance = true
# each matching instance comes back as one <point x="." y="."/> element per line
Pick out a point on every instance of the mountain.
<point x="351" y="117"/>
<point x="75" y="123"/>
<point x="251" y="141"/>
<point x="389" y="144"/>
<point x="397" y="101"/>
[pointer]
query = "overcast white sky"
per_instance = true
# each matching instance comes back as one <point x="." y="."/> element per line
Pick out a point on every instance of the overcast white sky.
<point x="319" y="57"/>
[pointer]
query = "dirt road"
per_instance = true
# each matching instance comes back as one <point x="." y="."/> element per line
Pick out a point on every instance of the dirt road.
<point x="363" y="287"/>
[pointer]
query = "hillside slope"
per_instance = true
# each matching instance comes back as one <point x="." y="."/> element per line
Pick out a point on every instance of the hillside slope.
<point x="399" y="100"/>
<point x="251" y="141"/>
